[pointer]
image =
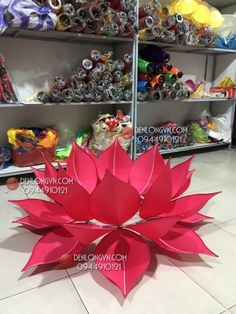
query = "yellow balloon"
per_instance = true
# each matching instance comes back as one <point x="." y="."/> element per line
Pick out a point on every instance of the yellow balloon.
<point x="186" y="6"/>
<point x="201" y="14"/>
<point x="215" y="19"/>
<point x="171" y="7"/>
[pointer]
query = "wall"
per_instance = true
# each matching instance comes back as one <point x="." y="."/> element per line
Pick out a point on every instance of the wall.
<point x="229" y="10"/>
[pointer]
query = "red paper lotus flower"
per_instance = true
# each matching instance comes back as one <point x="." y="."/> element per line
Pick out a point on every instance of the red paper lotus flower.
<point x="102" y="195"/>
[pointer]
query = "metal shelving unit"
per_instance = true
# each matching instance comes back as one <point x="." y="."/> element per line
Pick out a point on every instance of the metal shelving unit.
<point x="68" y="37"/>
<point x="14" y="170"/>
<point x="80" y="39"/>
<point x="197" y="100"/>
<point x="34" y="104"/>
<point x="194" y="147"/>
<point x="188" y="49"/>
<point x="208" y="51"/>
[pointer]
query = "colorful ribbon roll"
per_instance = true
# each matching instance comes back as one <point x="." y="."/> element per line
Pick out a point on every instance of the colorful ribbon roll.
<point x="69" y="9"/>
<point x="145" y="10"/>
<point x="144" y="77"/>
<point x="145" y="66"/>
<point x="146" y="22"/>
<point x="67" y="95"/>
<point x="170" y="78"/>
<point x="43" y="97"/>
<point x="77" y="25"/>
<point x="144" y="86"/>
<point x="64" y="22"/>
<point x="87" y="64"/>
<point x="59" y="83"/>
<point x="142" y="96"/>
<point x="55" y="5"/>
<point x="96" y="13"/>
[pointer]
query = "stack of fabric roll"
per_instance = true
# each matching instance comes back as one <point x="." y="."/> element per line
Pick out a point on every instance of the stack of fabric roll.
<point x="158" y="80"/>
<point x="179" y="23"/>
<point x="98" y="78"/>
<point x="111" y="18"/>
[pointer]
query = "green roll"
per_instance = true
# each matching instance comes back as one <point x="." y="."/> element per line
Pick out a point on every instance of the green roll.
<point x="145" y="66"/>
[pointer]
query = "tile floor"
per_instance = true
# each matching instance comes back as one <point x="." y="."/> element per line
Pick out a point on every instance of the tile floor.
<point x="181" y="285"/>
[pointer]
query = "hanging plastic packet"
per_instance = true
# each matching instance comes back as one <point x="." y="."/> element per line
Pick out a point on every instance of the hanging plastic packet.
<point x="26" y="14"/>
<point x="7" y="92"/>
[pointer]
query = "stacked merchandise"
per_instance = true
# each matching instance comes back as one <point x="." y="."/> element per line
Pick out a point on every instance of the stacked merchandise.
<point x="7" y="94"/>
<point x="226" y="33"/>
<point x="168" y="135"/>
<point x="186" y="22"/>
<point x="98" y="78"/>
<point x="5" y="157"/>
<point x="107" y="128"/>
<point x="157" y="79"/>
<point x="29" y="145"/>
<point x="115" y="18"/>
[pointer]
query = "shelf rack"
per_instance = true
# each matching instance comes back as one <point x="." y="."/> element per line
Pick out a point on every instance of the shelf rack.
<point x="77" y="38"/>
<point x="196" y="100"/>
<point x="34" y="104"/>
<point x="68" y="37"/>
<point x="194" y="147"/>
<point x="14" y="170"/>
<point x="189" y="48"/>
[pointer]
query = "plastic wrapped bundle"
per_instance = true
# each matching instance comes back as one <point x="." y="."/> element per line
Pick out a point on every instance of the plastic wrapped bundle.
<point x="98" y="78"/>
<point x="26" y="14"/>
<point x="226" y="34"/>
<point x="184" y="22"/>
<point x="7" y="93"/>
<point x="107" y="128"/>
<point x="29" y="145"/>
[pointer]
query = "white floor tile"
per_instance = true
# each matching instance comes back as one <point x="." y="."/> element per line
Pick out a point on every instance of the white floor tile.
<point x="233" y="310"/>
<point x="168" y="290"/>
<point x="217" y="276"/>
<point x="221" y="207"/>
<point x="58" y="297"/>
<point x="8" y="212"/>
<point x="229" y="226"/>
<point x="14" y="253"/>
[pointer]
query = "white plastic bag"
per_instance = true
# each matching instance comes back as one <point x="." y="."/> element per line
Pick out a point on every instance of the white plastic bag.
<point x="222" y="125"/>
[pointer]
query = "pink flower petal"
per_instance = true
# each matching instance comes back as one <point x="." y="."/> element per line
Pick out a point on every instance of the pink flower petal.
<point x="146" y="169"/>
<point x="33" y="223"/>
<point x="189" y="205"/>
<point x="196" y="218"/>
<point x="123" y="273"/>
<point x="46" y="182"/>
<point x="81" y="168"/>
<point x="158" y="198"/>
<point x="114" y="201"/>
<point x="154" y="229"/>
<point x="183" y="240"/>
<point x="179" y="174"/>
<point x="116" y="160"/>
<point x="186" y="184"/>
<point x="87" y="233"/>
<point x="50" y="171"/>
<point x="43" y="210"/>
<point x="73" y="197"/>
<point x="52" y="247"/>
